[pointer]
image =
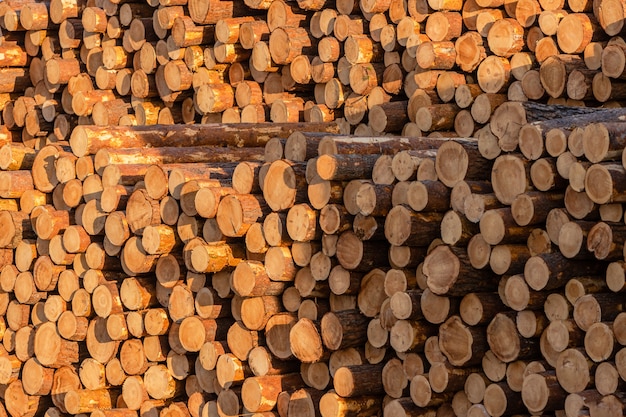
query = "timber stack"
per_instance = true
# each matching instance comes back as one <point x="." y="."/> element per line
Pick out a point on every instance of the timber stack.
<point x="280" y="272"/>
<point x="165" y="253"/>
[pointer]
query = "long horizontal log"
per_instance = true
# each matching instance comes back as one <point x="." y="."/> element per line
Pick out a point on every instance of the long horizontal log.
<point x="87" y="140"/>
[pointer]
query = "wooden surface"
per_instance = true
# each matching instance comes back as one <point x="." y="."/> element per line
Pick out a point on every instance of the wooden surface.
<point x="214" y="207"/>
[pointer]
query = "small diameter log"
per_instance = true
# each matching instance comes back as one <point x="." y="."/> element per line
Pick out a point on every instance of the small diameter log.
<point x="194" y="332"/>
<point x="509" y="259"/>
<point x="406" y="335"/>
<point x="549" y="271"/>
<point x="594" y="308"/>
<point x="533" y="208"/>
<point x="355" y="254"/>
<point x="479" y="308"/>
<point x="498" y="226"/>
<point x="46" y="273"/>
<point x="444" y="377"/>
<point x="255" y="311"/>
<point x="345" y="167"/>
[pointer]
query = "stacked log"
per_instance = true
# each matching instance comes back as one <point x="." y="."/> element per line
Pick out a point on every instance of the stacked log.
<point x="337" y="276"/>
<point x="207" y="269"/>
<point x="382" y="67"/>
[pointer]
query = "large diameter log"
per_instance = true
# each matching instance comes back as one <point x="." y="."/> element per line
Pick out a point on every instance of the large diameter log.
<point x="404" y="226"/>
<point x="603" y="183"/>
<point x="306" y="342"/>
<point x="19" y="403"/>
<point x="250" y="279"/>
<point x="355" y="254"/>
<point x="286" y="43"/>
<point x="358" y="380"/>
<point x="142" y="211"/>
<point x="555" y="67"/>
<point x="52" y="350"/>
<point x="608" y="141"/>
<point x="604" y="242"/>
<point x="260" y="394"/>
<point x="462" y="345"/>
<point x="134" y="258"/>
<point x="506" y="37"/>
<point x="285" y="185"/>
<point x="573" y="370"/>
<point x="89" y="139"/>
<point x="510" y="177"/>
<point x="493" y="74"/>
<point x="340" y="330"/>
<point x="448" y="271"/>
<point x="333" y="405"/>
<point x="506" y="343"/>
<point x="237" y="212"/>
<point x="458" y="160"/>
<point x="16" y="226"/>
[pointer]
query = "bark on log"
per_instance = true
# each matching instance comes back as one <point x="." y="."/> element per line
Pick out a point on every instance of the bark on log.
<point x="88" y="140"/>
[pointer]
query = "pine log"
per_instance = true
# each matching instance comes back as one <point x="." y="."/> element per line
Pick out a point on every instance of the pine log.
<point x="261" y="393"/>
<point x="549" y="271"/>
<point x="506" y="343"/>
<point x="460" y="343"/>
<point x="90" y="139"/>
<point x="448" y="271"/>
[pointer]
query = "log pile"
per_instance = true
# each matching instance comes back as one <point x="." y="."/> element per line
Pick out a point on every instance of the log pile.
<point x="318" y="274"/>
<point x="412" y="67"/>
<point x="286" y="269"/>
